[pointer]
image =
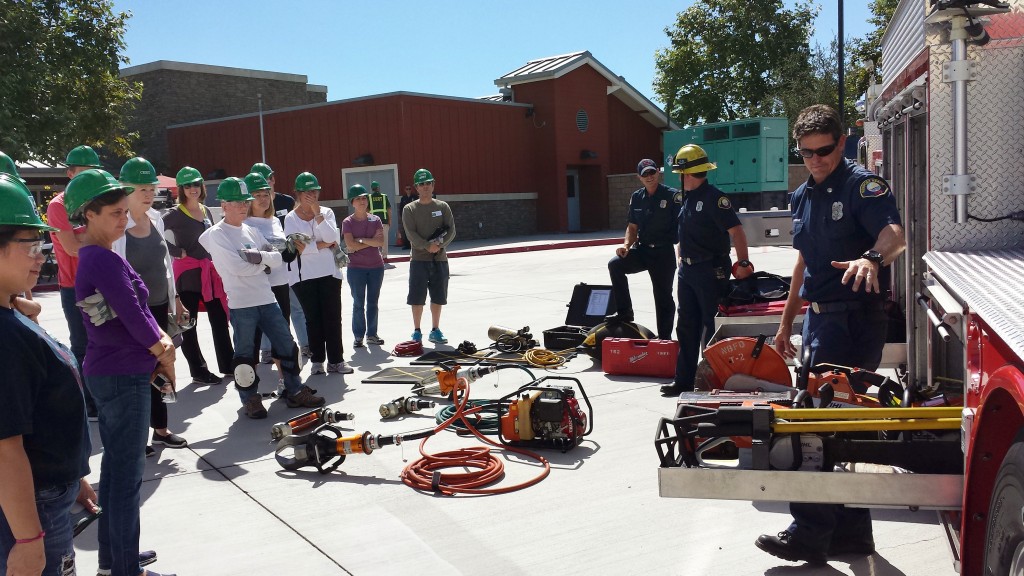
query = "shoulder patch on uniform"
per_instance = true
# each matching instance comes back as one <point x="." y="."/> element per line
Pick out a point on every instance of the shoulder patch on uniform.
<point x="873" y="187"/>
<point x="724" y="203"/>
<point x="678" y="197"/>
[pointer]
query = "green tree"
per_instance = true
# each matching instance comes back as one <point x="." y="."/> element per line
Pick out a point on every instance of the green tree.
<point x="732" y="58"/>
<point x="869" y="48"/>
<point x="60" y="86"/>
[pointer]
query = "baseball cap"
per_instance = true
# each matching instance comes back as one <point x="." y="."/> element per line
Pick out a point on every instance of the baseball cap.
<point x="645" y="165"/>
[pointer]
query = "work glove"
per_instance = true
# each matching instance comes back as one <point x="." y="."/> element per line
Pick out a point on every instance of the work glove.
<point x="97" y="308"/>
<point x="297" y="236"/>
<point x="251" y="256"/>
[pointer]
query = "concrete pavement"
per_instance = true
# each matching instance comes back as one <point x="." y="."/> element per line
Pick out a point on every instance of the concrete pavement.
<point x="223" y="506"/>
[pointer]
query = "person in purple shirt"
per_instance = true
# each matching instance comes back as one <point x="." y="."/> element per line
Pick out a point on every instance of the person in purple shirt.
<point x="126" y="350"/>
<point x="360" y="231"/>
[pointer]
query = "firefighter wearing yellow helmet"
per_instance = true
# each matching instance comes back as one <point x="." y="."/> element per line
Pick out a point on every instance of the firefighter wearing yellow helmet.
<point x="706" y="224"/>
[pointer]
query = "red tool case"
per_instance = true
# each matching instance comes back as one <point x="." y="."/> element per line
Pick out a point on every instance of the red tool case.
<point x="634" y="357"/>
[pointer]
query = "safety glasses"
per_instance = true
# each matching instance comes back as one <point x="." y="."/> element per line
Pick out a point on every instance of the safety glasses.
<point x="823" y="151"/>
<point x="35" y="247"/>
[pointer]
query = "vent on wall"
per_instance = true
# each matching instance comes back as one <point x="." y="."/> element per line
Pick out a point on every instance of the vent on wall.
<point x="582" y="120"/>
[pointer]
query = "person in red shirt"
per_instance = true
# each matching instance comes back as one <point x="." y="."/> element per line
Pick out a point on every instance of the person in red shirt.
<point x="66" y="242"/>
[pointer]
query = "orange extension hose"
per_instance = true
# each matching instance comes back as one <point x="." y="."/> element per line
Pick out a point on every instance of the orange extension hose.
<point x="425" y="473"/>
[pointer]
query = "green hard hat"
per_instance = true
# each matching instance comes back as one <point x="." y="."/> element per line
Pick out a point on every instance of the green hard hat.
<point x="356" y="191"/>
<point x="421" y="176"/>
<point x="255" y="181"/>
<point x="188" y="175"/>
<point x="233" y="190"/>
<point x="83" y="156"/>
<point x="305" y="182"/>
<point x="16" y="205"/>
<point x="374" y="185"/>
<point x="262" y="169"/>
<point x="88" y="185"/>
<point x="7" y="166"/>
<point x="138" y="170"/>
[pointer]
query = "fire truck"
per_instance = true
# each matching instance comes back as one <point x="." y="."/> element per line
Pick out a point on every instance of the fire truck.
<point x="945" y="126"/>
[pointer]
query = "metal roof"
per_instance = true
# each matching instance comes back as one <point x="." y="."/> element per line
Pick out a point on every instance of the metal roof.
<point x="553" y="67"/>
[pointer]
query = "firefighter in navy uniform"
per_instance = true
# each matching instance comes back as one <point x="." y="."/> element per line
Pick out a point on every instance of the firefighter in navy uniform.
<point x="846" y="227"/>
<point x="706" y="225"/>
<point x="648" y="245"/>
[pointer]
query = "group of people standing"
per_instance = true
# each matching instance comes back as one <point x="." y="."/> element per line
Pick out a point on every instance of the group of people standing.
<point x="130" y="277"/>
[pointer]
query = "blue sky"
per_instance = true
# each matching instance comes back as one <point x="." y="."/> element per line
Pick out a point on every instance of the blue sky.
<point x="446" y="47"/>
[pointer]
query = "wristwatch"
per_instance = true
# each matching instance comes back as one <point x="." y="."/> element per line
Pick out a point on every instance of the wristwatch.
<point x="744" y="263"/>
<point x="874" y="256"/>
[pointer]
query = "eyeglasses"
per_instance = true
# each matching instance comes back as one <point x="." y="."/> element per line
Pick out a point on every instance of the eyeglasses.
<point x="823" y="151"/>
<point x="35" y="247"/>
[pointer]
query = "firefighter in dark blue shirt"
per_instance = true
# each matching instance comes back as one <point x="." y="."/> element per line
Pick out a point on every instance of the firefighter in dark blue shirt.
<point x="648" y="245"/>
<point x="707" y="223"/>
<point x="846" y="227"/>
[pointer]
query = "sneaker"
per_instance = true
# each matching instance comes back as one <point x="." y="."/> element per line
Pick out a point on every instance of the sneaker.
<point x="254" y="407"/>
<point x="265" y="357"/>
<point x="171" y="440"/>
<point x="417" y="336"/>
<point x="306" y="353"/>
<point x="146" y="557"/>
<point x="375" y="340"/>
<point x="783" y="546"/>
<point x="318" y="368"/>
<point x="358" y="343"/>
<point x="206" y="379"/>
<point x="150" y="451"/>
<point x="437" y="337"/>
<point x="340" y="368"/>
<point x="304" y="399"/>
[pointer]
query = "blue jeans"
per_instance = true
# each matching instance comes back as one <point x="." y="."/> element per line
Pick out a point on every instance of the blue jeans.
<point x="54" y="508"/>
<point x="123" y="402"/>
<point x="76" y="329"/>
<point x="298" y="318"/>
<point x="270" y="321"/>
<point x="365" y="285"/>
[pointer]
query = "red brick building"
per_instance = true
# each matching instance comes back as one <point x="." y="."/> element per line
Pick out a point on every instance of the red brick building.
<point x="534" y="158"/>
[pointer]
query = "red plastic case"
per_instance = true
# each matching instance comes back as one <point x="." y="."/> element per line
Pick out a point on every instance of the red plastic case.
<point x="633" y="357"/>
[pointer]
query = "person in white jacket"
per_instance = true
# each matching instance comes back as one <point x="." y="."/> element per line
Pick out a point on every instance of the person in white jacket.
<point x="243" y="258"/>
<point x="315" y="275"/>
<point x="142" y="246"/>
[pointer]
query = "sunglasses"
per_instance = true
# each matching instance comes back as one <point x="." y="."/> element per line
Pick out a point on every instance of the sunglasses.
<point x="35" y="247"/>
<point x="193" y="185"/>
<point x="823" y="151"/>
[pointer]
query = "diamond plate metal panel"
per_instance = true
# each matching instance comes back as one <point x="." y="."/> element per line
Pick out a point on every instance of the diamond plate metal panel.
<point x="989" y="282"/>
<point x="995" y="137"/>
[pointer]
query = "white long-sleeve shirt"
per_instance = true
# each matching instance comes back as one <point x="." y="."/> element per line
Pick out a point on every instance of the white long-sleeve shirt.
<point x="316" y="263"/>
<point x="246" y="284"/>
<point x="273" y="231"/>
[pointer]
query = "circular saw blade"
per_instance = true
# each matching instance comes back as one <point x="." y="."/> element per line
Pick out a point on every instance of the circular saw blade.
<point x="740" y="355"/>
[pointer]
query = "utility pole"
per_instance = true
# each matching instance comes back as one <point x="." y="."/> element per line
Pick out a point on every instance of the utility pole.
<point x="263" y="150"/>
<point x="842" y="65"/>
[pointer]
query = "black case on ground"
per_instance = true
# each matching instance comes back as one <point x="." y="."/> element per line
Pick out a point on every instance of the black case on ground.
<point x="585" y="298"/>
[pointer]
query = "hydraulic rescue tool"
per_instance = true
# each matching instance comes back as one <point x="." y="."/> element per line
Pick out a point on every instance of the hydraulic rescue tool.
<point x="325" y="448"/>
<point x="308" y="421"/>
<point x="404" y="405"/>
<point x="445" y="381"/>
<point x="510" y="340"/>
<point x="808" y="438"/>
